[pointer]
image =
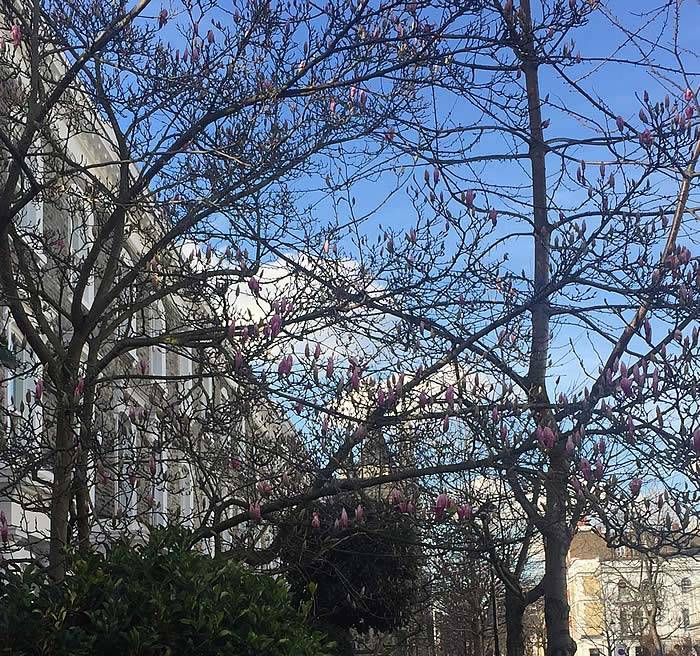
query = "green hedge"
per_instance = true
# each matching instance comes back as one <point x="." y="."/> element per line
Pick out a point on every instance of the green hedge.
<point x="160" y="599"/>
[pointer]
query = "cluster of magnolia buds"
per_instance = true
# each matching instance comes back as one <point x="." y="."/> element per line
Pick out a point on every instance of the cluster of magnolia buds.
<point x="404" y="506"/>
<point x="343" y="521"/>
<point x="358" y="97"/>
<point x="444" y="506"/>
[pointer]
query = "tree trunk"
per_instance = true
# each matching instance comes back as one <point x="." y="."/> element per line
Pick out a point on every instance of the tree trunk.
<point x="515" y="632"/>
<point x="61" y="491"/>
<point x="557" y="539"/>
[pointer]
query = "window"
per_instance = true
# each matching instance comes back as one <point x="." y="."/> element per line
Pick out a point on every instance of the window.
<point x="185" y="366"/>
<point x="81" y="222"/>
<point x="685" y="617"/>
<point x="622" y="590"/>
<point x="127" y="469"/>
<point x="21" y="380"/>
<point x="156" y="329"/>
<point x="31" y="218"/>
<point x="686" y="585"/>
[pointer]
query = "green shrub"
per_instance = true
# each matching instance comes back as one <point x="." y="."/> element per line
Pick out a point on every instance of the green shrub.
<point x="364" y="575"/>
<point x="160" y="598"/>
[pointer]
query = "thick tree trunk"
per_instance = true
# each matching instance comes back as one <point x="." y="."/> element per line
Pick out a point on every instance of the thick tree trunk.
<point x="515" y="632"/>
<point x="61" y="492"/>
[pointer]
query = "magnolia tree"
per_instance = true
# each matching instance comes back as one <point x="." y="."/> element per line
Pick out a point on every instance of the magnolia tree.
<point x="153" y="160"/>
<point x="285" y="252"/>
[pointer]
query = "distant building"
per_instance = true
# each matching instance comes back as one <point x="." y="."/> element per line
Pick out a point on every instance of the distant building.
<point x="623" y="600"/>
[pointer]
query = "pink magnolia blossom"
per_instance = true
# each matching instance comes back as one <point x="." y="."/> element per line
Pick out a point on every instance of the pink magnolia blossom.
<point x="359" y="513"/>
<point x="344" y="521"/>
<point x="315" y="521"/>
<point x="620" y="123"/>
<point x="152" y="464"/>
<point x="16" y="35"/>
<point x="255" y="511"/>
<point x="265" y="488"/>
<point x="395" y="496"/>
<point x="39" y="389"/>
<point x="465" y="512"/>
<point x="329" y="367"/>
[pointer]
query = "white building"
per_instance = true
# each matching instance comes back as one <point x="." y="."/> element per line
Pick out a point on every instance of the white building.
<point x="621" y="598"/>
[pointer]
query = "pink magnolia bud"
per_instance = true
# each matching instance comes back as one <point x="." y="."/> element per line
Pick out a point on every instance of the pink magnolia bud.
<point x="469" y="197"/>
<point x="16" y="35"/>
<point x="620" y="123"/>
<point x="436" y="175"/>
<point x="359" y="513"/>
<point x="635" y="486"/>
<point x="39" y="389"/>
<point x="329" y="367"/>
<point x="317" y="351"/>
<point x="4" y="532"/>
<point x="265" y="488"/>
<point x="450" y="396"/>
<point x="688" y="95"/>
<point x="152" y="464"/>
<point x="585" y="467"/>
<point x="143" y="365"/>
<point x="162" y="18"/>
<point x="570" y="446"/>
<point x="422" y="399"/>
<point x="254" y="285"/>
<point x="255" y="512"/>
<point x="315" y="521"/>
<point x="445" y="423"/>
<point x="493" y="216"/>
<point x="395" y="496"/>
<point x="442" y="503"/>
<point x="79" y="388"/>
<point x="578" y="488"/>
<point x="344" y="522"/>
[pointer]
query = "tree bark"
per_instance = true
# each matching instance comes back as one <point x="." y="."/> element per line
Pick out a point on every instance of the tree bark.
<point x="515" y="632"/>
<point x="61" y="492"/>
